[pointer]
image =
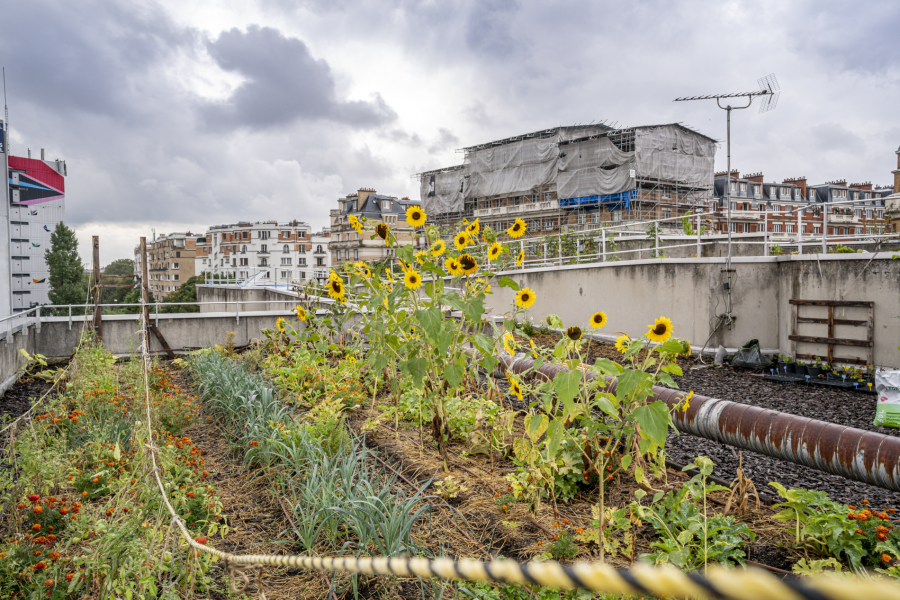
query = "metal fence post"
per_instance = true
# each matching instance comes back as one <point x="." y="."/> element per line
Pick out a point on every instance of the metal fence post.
<point x="656" y="230"/>
<point x="522" y="251"/>
<point x="156" y="311"/>
<point x="38" y="315"/>
<point x="800" y="231"/>
<point x="824" y="230"/>
<point x="698" y="236"/>
<point x="9" y="331"/>
<point x="603" y="241"/>
<point x="25" y="324"/>
<point x="237" y="311"/>
<point x="70" y="317"/>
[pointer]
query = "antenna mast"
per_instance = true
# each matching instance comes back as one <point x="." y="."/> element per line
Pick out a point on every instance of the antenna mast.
<point x="769" y="91"/>
<point x="5" y="110"/>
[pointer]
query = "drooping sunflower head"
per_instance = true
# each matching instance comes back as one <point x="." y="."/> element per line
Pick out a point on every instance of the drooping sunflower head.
<point x="279" y="325"/>
<point x="525" y="298"/>
<point x="354" y="223"/>
<point x="509" y="344"/>
<point x="467" y="264"/>
<point x="661" y="330"/>
<point x="622" y="343"/>
<point x="473" y="228"/>
<point x="415" y="216"/>
<point x="494" y="251"/>
<point x="382" y="229"/>
<point x="573" y="333"/>
<point x="461" y="240"/>
<point x="514" y="388"/>
<point x="336" y="289"/>
<point x="421" y="257"/>
<point x="301" y="313"/>
<point x="598" y="320"/>
<point x="452" y="266"/>
<point x="520" y="258"/>
<point x="412" y="279"/>
<point x="517" y="229"/>
<point x="437" y="249"/>
<point x="333" y="276"/>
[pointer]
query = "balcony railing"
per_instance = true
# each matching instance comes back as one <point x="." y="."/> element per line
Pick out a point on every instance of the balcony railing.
<point x="843" y="219"/>
<point x="516" y="210"/>
<point x="746" y="215"/>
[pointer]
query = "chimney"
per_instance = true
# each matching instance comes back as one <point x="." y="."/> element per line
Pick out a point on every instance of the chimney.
<point x="362" y="195"/>
<point x="862" y="186"/>
<point x="42" y="154"/>
<point x="842" y="182"/>
<point x="799" y="181"/>
<point x="754" y="177"/>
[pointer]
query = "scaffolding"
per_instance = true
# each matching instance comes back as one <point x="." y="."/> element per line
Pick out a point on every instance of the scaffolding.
<point x="575" y="178"/>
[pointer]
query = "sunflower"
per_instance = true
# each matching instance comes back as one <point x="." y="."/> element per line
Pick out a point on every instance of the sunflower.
<point x="415" y="216"/>
<point x="467" y="264"/>
<point x="420" y="257"/>
<point x="534" y="350"/>
<point x="525" y="298"/>
<point x="461" y="240"/>
<point x="520" y="258"/>
<point x="494" y="251"/>
<point x="473" y="228"/>
<point x="412" y="279"/>
<point x="383" y="231"/>
<point x="598" y="320"/>
<point x="336" y="289"/>
<point x="452" y="266"/>
<point x="509" y="344"/>
<point x="354" y="223"/>
<point x="517" y="229"/>
<point x="573" y="333"/>
<point x="438" y="248"/>
<point x="622" y="343"/>
<point x="333" y="276"/>
<point x="301" y="313"/>
<point x="687" y="402"/>
<point x="661" y="330"/>
<point x="514" y="388"/>
<point x="279" y="325"/>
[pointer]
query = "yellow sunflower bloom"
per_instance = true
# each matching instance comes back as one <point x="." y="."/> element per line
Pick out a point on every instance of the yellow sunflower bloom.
<point x="514" y="388"/>
<point x="598" y="320"/>
<point x="452" y="266"/>
<point x="437" y="249"/>
<point x="336" y="289"/>
<point x="573" y="333"/>
<point x="661" y="330"/>
<point x="509" y="344"/>
<point x="687" y="402"/>
<point x="412" y="279"/>
<point x="461" y="240"/>
<point x="517" y="229"/>
<point x="421" y="257"/>
<point x="467" y="264"/>
<point x="333" y="276"/>
<point x="301" y="313"/>
<point x="520" y="258"/>
<point x="622" y="343"/>
<point x="354" y="223"/>
<point x="415" y="216"/>
<point x="494" y="251"/>
<point x="279" y="325"/>
<point x="534" y="350"/>
<point x="525" y="298"/>
<point x="473" y="228"/>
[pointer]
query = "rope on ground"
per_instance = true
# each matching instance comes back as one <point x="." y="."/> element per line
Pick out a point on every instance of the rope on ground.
<point x="718" y="582"/>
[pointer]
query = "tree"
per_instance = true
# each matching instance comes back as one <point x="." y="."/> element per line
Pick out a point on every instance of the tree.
<point x="187" y="292"/>
<point x="66" y="270"/>
<point x="123" y="267"/>
<point x="134" y="297"/>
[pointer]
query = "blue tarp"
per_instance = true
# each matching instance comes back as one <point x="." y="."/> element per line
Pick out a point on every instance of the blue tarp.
<point x="622" y="198"/>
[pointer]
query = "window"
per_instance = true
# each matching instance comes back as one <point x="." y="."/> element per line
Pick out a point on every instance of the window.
<point x="771" y="192"/>
<point x="817" y="229"/>
<point x="286" y="249"/>
<point x="858" y="212"/>
<point x="548" y="196"/>
<point x="174" y="265"/>
<point x="204" y="261"/>
<point x="386" y="205"/>
<point x="757" y="190"/>
<point x="301" y="248"/>
<point x="840" y="231"/>
<point x="321" y="261"/>
<point x="855" y="196"/>
<point x="582" y="218"/>
<point x="285" y="274"/>
<point x="790" y="228"/>
<point x="667" y="214"/>
<point x="776" y="228"/>
<point x="733" y="227"/>
<point x="264" y="235"/>
<point x="245" y="262"/>
<point x="746" y="227"/>
<point x="243" y="249"/>
<point x="319" y="248"/>
<point x="548" y="223"/>
<point x="285" y="261"/>
<point x="175" y="277"/>
<point x="868" y="213"/>
<point x="879" y="213"/>
<point x="177" y="254"/>
<point x="811" y="194"/>
<point x="733" y="186"/>
<point x="617" y="215"/>
<point x="263" y="248"/>
<point x="595" y="218"/>
<point x="262" y="262"/>
<point x="734" y="206"/>
<point x="356" y="255"/>
<point x="743" y="186"/>
<point x="301" y="261"/>
<point x="301" y="234"/>
<point x="286" y="235"/>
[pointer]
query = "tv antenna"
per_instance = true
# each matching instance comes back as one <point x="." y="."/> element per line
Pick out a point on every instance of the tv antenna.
<point x="769" y="91"/>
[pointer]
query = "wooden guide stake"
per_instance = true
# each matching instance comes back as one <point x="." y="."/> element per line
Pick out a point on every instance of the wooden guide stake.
<point x="98" y="316"/>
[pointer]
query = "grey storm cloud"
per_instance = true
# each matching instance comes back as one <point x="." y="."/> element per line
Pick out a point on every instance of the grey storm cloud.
<point x="284" y="82"/>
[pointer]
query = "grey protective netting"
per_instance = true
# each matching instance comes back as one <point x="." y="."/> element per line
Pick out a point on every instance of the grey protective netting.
<point x="448" y="194"/>
<point x="593" y="167"/>
<point x="514" y="167"/>
<point x="670" y="153"/>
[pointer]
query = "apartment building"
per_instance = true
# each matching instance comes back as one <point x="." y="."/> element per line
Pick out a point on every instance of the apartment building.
<point x="283" y="253"/>
<point x="170" y="262"/>
<point x="757" y="205"/>
<point x="892" y="202"/>
<point x="348" y="245"/>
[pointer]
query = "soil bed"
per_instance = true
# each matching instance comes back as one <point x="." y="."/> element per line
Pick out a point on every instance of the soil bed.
<point x="19" y="398"/>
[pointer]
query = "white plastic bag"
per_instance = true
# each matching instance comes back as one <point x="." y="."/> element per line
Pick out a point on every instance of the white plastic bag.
<point x="887" y="388"/>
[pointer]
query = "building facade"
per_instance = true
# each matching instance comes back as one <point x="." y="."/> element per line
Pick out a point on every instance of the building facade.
<point x="35" y="205"/>
<point x="347" y="244"/>
<point x="280" y="253"/>
<point x="170" y="262"/>
<point x="758" y="206"/>
<point x="892" y="202"/>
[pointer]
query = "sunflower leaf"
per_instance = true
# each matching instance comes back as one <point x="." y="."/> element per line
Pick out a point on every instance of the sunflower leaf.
<point x="507" y="282"/>
<point x="654" y="421"/>
<point x="672" y="347"/>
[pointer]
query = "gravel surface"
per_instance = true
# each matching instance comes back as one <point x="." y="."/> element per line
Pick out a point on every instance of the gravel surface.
<point x="19" y="397"/>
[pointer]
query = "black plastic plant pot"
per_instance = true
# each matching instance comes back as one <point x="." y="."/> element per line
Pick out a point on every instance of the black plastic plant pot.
<point x="800" y="369"/>
<point x="814" y="371"/>
<point x="789" y="368"/>
<point x="831" y="376"/>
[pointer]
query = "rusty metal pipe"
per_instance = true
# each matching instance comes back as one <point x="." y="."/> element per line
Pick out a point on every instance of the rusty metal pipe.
<point x="865" y="456"/>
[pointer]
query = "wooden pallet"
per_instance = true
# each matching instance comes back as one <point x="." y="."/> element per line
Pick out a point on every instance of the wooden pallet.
<point x="830" y="340"/>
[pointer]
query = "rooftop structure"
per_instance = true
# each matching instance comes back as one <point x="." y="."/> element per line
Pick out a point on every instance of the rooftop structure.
<point x="348" y="245"/>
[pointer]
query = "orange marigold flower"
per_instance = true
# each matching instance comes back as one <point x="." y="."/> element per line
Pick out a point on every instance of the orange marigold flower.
<point x="885" y="558"/>
<point x="881" y="537"/>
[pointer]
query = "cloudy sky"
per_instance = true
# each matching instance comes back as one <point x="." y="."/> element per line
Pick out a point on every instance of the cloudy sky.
<point x="180" y="114"/>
